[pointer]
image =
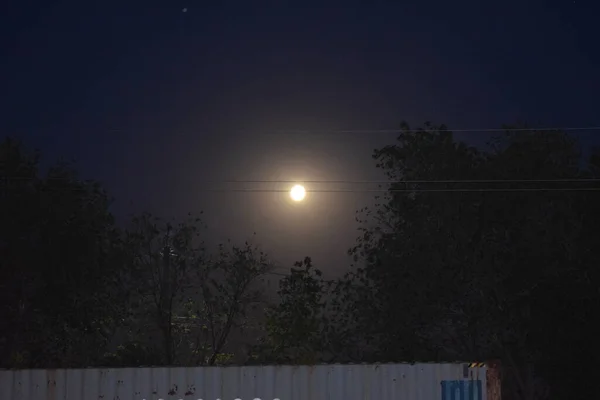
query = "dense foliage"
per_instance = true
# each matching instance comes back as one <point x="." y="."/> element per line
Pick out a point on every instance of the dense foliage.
<point x="470" y="255"/>
<point x="79" y="292"/>
<point x="475" y="255"/>
<point x="59" y="259"/>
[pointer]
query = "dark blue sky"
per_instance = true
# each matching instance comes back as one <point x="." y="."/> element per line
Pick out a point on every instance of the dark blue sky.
<point x="151" y="100"/>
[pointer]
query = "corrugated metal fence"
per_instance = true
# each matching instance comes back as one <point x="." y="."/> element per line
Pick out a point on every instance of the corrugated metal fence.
<point x="319" y="382"/>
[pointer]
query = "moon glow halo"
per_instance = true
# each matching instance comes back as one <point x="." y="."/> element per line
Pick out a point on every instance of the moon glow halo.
<point x="298" y="193"/>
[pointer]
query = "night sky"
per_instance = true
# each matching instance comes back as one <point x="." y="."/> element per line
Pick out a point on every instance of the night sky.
<point x="153" y="101"/>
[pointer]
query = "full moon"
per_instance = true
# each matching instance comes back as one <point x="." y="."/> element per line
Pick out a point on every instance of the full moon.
<point x="298" y="193"/>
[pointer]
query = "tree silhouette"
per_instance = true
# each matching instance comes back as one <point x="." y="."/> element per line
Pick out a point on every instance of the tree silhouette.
<point x="60" y="258"/>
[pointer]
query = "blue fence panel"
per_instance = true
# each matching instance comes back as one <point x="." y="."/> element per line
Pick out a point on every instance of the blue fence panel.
<point x="462" y="390"/>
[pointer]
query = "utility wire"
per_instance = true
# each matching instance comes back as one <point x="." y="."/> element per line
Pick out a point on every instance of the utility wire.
<point x="397" y="130"/>
<point x="402" y="190"/>
<point x="396" y="190"/>
<point x="408" y="181"/>
<point x="414" y="190"/>
<point x="588" y="128"/>
<point x="411" y="181"/>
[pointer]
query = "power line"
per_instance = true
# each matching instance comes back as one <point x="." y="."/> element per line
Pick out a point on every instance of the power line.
<point x="464" y="190"/>
<point x="339" y="181"/>
<point x="396" y="130"/>
<point x="411" y="181"/>
<point x="402" y="190"/>
<point x="408" y="190"/>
